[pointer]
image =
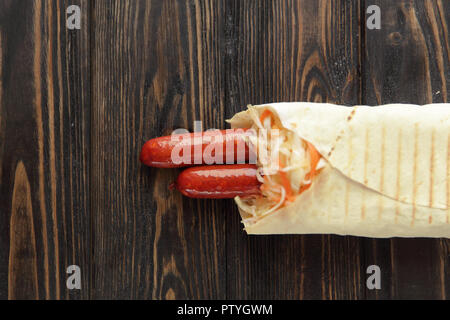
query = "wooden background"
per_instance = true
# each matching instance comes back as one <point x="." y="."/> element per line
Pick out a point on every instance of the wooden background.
<point x="77" y="105"/>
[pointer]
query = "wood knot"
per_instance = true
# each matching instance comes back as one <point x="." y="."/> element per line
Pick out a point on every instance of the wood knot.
<point x="395" y="38"/>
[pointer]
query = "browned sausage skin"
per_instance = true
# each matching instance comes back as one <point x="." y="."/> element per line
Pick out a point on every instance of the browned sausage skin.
<point x="180" y="150"/>
<point x="219" y="181"/>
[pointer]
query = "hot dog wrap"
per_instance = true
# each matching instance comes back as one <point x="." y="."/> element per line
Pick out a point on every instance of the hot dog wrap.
<point x="383" y="171"/>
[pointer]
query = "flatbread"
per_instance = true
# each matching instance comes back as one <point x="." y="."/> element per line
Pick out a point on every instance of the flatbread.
<point x="387" y="171"/>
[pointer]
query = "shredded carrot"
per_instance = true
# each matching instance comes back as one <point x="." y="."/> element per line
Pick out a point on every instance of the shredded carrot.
<point x="285" y="182"/>
<point x="284" y="179"/>
<point x="314" y="156"/>
<point x="314" y="160"/>
<point x="266" y="113"/>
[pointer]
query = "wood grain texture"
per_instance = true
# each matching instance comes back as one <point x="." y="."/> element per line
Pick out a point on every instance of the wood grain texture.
<point x="292" y="51"/>
<point x="44" y="150"/>
<point x="158" y="66"/>
<point x="22" y="271"/>
<point x="76" y="107"/>
<point x="408" y="61"/>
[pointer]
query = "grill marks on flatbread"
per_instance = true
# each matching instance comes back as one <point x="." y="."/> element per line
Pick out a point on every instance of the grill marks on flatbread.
<point x="418" y="151"/>
<point x="387" y="172"/>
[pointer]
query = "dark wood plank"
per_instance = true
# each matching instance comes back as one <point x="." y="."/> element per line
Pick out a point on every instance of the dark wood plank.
<point x="44" y="150"/>
<point x="408" y="61"/>
<point x="158" y="66"/>
<point x="292" y="51"/>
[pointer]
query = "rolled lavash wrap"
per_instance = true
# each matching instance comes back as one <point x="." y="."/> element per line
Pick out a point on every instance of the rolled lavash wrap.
<point x="384" y="172"/>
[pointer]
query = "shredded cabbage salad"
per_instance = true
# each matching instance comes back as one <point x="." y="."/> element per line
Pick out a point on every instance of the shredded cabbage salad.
<point x="286" y="164"/>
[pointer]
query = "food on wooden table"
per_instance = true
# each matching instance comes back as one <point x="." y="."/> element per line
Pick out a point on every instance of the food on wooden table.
<point x="321" y="168"/>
